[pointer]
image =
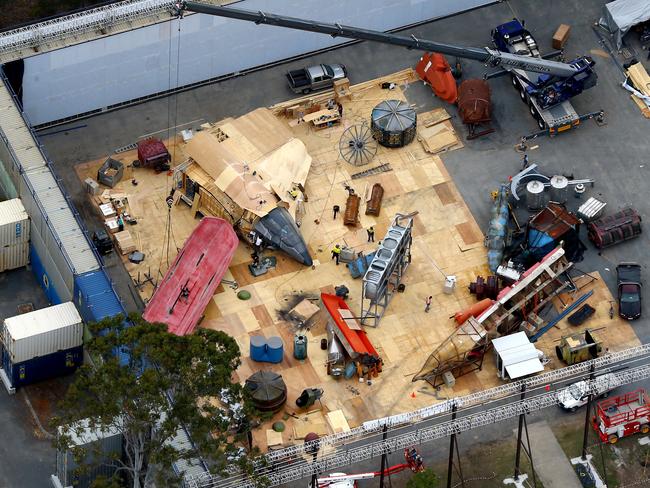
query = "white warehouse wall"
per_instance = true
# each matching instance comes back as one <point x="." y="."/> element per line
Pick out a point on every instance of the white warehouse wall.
<point x="134" y="64"/>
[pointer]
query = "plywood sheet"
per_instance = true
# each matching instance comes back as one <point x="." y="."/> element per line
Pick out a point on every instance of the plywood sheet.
<point x="337" y="421"/>
<point x="446" y="238"/>
<point x="434" y="117"/>
<point x="349" y="319"/>
<point x="273" y="438"/>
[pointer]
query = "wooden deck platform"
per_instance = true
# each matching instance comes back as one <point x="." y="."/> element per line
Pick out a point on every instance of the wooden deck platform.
<point x="447" y="241"/>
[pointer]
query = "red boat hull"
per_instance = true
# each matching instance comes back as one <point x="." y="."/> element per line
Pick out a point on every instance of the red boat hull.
<point x="193" y="278"/>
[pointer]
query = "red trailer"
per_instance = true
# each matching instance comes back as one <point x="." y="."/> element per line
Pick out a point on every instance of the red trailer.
<point x="622" y="416"/>
<point x="152" y="153"/>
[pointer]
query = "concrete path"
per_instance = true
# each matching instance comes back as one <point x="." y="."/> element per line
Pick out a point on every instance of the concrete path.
<point x="551" y="464"/>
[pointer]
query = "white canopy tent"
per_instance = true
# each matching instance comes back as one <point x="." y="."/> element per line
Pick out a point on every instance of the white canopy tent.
<point x="516" y="356"/>
<point x="619" y="16"/>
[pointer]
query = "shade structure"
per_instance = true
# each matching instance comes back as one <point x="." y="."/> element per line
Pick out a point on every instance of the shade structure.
<point x="393" y="123"/>
<point x="268" y="390"/>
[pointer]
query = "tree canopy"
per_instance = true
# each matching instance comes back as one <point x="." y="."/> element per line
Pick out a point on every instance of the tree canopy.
<point x="169" y="382"/>
<point x="423" y="479"/>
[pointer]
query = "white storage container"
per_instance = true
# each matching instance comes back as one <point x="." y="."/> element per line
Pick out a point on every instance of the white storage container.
<point x="14" y="223"/>
<point x="42" y="332"/>
<point x="102" y="447"/>
<point x="14" y="256"/>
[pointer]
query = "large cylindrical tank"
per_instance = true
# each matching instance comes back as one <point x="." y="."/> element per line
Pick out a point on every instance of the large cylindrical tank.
<point x="535" y="195"/>
<point x="268" y="391"/>
<point x="473" y="311"/>
<point x="559" y="188"/>
<point x="300" y="346"/>
<point x="393" y="123"/>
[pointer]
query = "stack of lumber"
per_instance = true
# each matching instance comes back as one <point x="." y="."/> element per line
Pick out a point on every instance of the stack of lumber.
<point x="438" y="137"/>
<point x="125" y="242"/>
<point x="641" y="81"/>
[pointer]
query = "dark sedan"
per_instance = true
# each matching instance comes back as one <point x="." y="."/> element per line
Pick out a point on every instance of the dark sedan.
<point x="629" y="290"/>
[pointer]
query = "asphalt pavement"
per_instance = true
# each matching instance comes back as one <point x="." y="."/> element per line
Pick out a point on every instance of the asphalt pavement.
<point x="26" y="457"/>
<point x="614" y="155"/>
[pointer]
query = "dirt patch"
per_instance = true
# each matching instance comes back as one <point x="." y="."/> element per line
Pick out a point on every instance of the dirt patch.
<point x="45" y="398"/>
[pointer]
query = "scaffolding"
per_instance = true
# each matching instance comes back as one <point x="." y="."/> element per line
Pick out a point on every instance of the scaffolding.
<point x="81" y="26"/>
<point x="365" y="442"/>
<point x="385" y="272"/>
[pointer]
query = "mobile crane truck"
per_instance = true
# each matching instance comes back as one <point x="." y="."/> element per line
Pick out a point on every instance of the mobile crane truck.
<point x="544" y="84"/>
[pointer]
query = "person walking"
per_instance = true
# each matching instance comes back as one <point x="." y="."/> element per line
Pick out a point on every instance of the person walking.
<point x="524" y="162"/>
<point x="336" y="209"/>
<point x="336" y="253"/>
<point x="340" y="107"/>
<point x="371" y="234"/>
<point x="428" y="303"/>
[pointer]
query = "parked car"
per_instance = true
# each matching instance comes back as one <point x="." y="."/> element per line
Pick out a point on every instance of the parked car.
<point x="575" y="395"/>
<point x="316" y="77"/>
<point x="103" y="242"/>
<point x="628" y="276"/>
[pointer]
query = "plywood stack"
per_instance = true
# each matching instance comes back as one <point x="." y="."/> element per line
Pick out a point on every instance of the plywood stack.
<point x="439" y="136"/>
<point x="125" y="242"/>
<point x="641" y="81"/>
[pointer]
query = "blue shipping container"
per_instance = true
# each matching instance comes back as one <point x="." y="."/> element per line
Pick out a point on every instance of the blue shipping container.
<point x="95" y="298"/>
<point x="41" y="275"/>
<point x="42" y="368"/>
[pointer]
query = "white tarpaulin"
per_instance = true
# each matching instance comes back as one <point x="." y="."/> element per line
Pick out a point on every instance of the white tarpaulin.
<point x="620" y="15"/>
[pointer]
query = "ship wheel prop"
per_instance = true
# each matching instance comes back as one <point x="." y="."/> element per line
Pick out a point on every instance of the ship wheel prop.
<point x="357" y="146"/>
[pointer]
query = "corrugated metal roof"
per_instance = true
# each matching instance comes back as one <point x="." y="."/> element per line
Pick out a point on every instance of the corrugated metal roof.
<point x="57" y="210"/>
<point x="186" y="467"/>
<point x="98" y="296"/>
<point x="43" y="320"/>
<point x="17" y="133"/>
<point x="12" y="211"/>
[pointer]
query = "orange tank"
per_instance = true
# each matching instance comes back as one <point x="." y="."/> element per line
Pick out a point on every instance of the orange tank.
<point x="434" y="70"/>
<point x="474" y="311"/>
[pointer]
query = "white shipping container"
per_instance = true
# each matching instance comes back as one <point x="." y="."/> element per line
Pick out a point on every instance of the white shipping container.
<point x="14" y="256"/>
<point x="42" y="332"/>
<point x="14" y="223"/>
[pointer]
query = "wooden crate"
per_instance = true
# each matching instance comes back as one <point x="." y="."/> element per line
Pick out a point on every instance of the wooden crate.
<point x="561" y="36"/>
<point x="125" y="242"/>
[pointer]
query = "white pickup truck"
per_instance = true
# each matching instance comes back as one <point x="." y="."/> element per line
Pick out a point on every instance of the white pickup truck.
<point x="575" y="395"/>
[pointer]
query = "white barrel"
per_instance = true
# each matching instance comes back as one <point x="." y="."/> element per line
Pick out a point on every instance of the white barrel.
<point x="535" y="195"/>
<point x="559" y="188"/>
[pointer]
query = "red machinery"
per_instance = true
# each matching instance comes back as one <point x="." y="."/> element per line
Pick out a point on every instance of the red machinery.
<point x="434" y="70"/>
<point x="152" y="153"/>
<point x="622" y="416"/>
<point x="355" y="341"/>
<point x="412" y="458"/>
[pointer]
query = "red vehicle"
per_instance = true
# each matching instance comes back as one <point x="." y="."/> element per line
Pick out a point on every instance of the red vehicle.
<point x="622" y="416"/>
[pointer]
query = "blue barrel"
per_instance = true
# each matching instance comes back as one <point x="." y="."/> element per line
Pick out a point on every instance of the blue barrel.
<point x="300" y="346"/>
<point x="274" y="349"/>
<point x="258" y="348"/>
<point x="350" y="370"/>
